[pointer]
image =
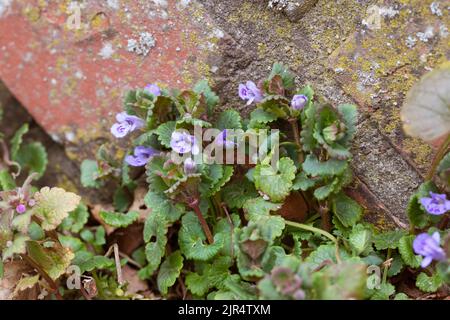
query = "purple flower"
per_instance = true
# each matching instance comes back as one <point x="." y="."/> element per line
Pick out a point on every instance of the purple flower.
<point x="428" y="247"/>
<point x="222" y="141"/>
<point x="183" y="142"/>
<point x="437" y="204"/>
<point x="21" y="208"/>
<point x="153" y="89"/>
<point x="141" y="156"/>
<point x="299" y="101"/>
<point x="250" y="92"/>
<point x="125" y="124"/>
<point x="189" y="166"/>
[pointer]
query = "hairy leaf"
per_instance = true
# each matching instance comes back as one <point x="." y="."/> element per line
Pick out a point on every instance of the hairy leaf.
<point x="53" y="205"/>
<point x="169" y="271"/>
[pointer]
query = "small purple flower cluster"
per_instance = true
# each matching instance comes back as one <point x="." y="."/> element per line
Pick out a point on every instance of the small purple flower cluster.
<point x="128" y="123"/>
<point x="250" y="92"/>
<point x="429" y="246"/>
<point x="437" y="204"/>
<point x="182" y="142"/>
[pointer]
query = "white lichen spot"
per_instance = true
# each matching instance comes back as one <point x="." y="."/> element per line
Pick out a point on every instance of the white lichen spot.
<point x="443" y="31"/>
<point x="339" y="70"/>
<point x="161" y="3"/>
<point x="182" y="4"/>
<point x="142" y="46"/>
<point x="79" y="75"/>
<point x="113" y="4"/>
<point x="411" y="41"/>
<point x="218" y="33"/>
<point x="278" y="4"/>
<point x="28" y="56"/>
<point x="434" y="7"/>
<point x="107" y="51"/>
<point x="388" y="12"/>
<point x="70" y="136"/>
<point x="426" y="35"/>
<point x="4" y="5"/>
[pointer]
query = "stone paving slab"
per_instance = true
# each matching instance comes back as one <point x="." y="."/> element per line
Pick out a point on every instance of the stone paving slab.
<point x="380" y="62"/>
<point x="72" y="80"/>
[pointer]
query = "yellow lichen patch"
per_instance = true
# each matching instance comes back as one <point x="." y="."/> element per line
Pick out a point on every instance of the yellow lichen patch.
<point x="262" y="49"/>
<point x="248" y="13"/>
<point x="420" y="151"/>
<point x="394" y="121"/>
<point x="31" y="13"/>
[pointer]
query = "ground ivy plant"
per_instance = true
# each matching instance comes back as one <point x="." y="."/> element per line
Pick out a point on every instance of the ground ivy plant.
<point x="273" y="224"/>
<point x="220" y="231"/>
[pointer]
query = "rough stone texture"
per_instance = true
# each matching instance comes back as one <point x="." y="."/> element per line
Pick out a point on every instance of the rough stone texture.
<point x="378" y="65"/>
<point x="333" y="47"/>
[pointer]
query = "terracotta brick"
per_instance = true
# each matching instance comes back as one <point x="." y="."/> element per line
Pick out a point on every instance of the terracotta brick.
<point x="72" y="81"/>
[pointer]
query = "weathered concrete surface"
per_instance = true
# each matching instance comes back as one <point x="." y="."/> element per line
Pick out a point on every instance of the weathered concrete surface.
<point x="232" y="41"/>
<point x="377" y="65"/>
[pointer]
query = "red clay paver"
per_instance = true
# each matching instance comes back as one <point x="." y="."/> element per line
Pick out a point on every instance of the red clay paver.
<point x="72" y="81"/>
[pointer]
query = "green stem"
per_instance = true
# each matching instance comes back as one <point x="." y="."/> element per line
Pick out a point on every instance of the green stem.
<point x="386" y="267"/>
<point x="438" y="157"/>
<point x="295" y="130"/>
<point x="312" y="229"/>
<point x="318" y="231"/>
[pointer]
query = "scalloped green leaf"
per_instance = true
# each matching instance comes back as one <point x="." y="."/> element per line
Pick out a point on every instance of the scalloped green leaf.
<point x="313" y="167"/>
<point x="163" y="206"/>
<point x="164" y="132"/>
<point x="302" y="182"/>
<point x="17" y="139"/>
<point x="118" y="219"/>
<point x="349" y="114"/>
<point x="287" y="77"/>
<point x="385" y="291"/>
<point x="323" y="253"/>
<point x="191" y="239"/>
<point x="53" y="206"/>
<point x="89" y="174"/>
<point x="76" y="219"/>
<point x="261" y="116"/>
<point x="258" y="211"/>
<point x="237" y="192"/>
<point x="96" y="263"/>
<point x="33" y="157"/>
<point x="211" y="97"/>
<point x="429" y="283"/>
<point x="6" y="180"/>
<point x="155" y="230"/>
<point x="17" y="246"/>
<point x="276" y="184"/>
<point x="389" y="239"/>
<point x="169" y="272"/>
<point x="347" y="210"/>
<point x="229" y="119"/>
<point x="405" y="248"/>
